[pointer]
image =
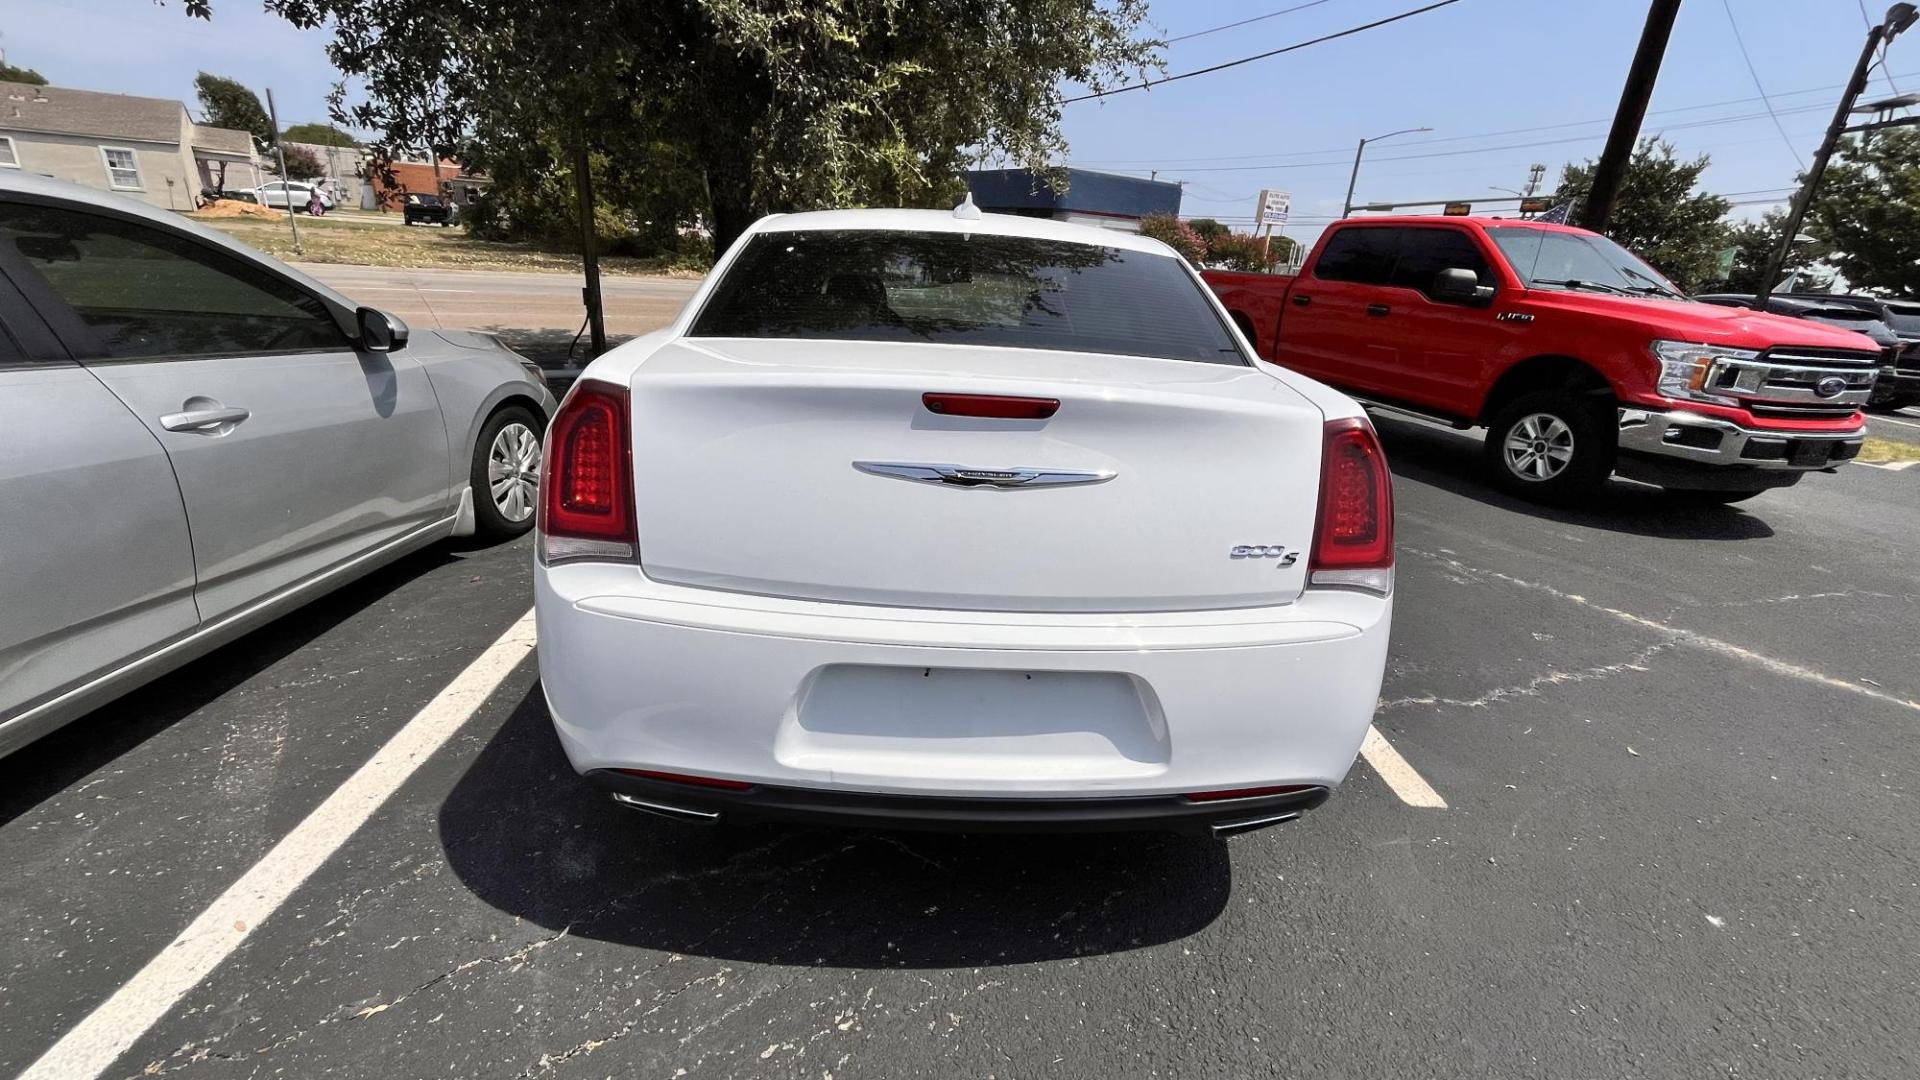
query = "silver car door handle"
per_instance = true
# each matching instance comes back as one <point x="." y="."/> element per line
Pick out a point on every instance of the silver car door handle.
<point x="201" y="419"/>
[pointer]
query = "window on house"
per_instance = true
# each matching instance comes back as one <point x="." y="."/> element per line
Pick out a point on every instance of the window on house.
<point x="8" y="157"/>
<point x="122" y="170"/>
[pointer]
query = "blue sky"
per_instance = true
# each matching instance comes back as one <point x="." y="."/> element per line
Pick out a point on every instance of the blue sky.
<point x="1472" y="71"/>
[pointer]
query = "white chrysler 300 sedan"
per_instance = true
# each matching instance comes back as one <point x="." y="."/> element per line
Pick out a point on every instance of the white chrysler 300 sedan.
<point x="916" y="519"/>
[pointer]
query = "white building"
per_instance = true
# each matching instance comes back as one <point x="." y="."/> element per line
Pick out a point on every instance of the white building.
<point x="148" y="148"/>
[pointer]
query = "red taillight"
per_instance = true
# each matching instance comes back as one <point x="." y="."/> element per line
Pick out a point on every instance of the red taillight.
<point x="1353" y="535"/>
<point x="996" y="406"/>
<point x="685" y="778"/>
<point x="586" y="511"/>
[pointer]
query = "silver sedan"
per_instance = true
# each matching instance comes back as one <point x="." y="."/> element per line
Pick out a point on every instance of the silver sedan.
<point x="198" y="438"/>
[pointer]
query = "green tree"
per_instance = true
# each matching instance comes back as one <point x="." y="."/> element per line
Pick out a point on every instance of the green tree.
<point x="1659" y="214"/>
<point x="1208" y="230"/>
<point x="228" y="103"/>
<point x="1240" y="251"/>
<point x="302" y="163"/>
<point x="9" y="73"/>
<point x="778" y="104"/>
<point x="1868" y="208"/>
<point x="1176" y="234"/>
<point x="318" y="134"/>
<point x="1754" y="243"/>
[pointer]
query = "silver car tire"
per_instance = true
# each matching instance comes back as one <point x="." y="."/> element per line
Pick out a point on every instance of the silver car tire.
<point x="506" y="473"/>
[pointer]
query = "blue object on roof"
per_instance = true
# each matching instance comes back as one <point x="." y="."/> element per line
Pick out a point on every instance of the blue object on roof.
<point x="1106" y="194"/>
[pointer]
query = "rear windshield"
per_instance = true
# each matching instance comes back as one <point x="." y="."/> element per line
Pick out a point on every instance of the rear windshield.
<point x="960" y="289"/>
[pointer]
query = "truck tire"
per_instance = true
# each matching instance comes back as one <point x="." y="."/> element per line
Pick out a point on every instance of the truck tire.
<point x="1550" y="446"/>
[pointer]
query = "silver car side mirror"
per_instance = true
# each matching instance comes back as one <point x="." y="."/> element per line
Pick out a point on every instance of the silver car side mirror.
<point x="379" y="331"/>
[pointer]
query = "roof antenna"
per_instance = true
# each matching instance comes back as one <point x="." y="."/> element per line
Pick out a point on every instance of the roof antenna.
<point x="966" y="211"/>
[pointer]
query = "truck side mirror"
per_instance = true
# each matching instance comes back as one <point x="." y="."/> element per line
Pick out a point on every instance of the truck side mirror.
<point x="1458" y="286"/>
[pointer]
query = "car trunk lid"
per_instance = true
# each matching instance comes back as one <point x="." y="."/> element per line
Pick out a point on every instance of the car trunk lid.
<point x="816" y="470"/>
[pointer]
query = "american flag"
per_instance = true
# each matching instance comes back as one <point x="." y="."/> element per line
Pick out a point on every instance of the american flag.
<point x="1559" y="215"/>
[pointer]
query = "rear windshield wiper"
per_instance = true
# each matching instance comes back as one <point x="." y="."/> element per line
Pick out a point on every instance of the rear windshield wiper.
<point x="1577" y="283"/>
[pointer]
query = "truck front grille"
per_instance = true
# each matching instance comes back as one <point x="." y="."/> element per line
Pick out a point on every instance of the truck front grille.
<point x="1788" y="383"/>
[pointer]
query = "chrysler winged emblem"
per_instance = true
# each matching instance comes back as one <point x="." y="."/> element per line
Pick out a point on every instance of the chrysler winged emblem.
<point x="969" y="476"/>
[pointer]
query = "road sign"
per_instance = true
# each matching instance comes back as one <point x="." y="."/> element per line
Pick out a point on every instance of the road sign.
<point x="1458" y="209"/>
<point x="1273" y="207"/>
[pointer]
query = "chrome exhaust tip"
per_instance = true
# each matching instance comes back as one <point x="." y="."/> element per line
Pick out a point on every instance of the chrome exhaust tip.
<point x="665" y="810"/>
<point x="1229" y="828"/>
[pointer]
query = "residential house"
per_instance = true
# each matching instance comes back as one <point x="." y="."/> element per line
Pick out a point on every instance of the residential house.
<point x="148" y="148"/>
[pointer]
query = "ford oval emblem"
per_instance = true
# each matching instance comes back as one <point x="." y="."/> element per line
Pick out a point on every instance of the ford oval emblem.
<point x="1830" y="387"/>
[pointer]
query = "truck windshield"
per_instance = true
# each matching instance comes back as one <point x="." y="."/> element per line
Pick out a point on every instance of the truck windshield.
<point x="1566" y="260"/>
<point x="966" y="289"/>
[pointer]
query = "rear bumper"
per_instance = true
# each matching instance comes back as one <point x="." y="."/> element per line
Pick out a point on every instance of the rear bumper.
<point x="821" y="706"/>
<point x="1697" y="440"/>
<point x="922" y="813"/>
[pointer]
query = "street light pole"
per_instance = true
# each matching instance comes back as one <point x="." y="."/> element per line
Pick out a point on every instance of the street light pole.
<point x="1346" y="208"/>
<point x="1899" y="17"/>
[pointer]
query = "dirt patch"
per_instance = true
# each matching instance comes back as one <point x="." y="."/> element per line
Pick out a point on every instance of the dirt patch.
<point x="234" y="208"/>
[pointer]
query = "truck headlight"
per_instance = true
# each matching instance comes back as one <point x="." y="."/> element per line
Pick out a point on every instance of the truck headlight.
<point x="1689" y="371"/>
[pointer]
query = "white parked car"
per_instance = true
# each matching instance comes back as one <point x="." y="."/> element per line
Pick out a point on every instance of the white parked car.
<point x="277" y="192"/>
<point x="927" y="519"/>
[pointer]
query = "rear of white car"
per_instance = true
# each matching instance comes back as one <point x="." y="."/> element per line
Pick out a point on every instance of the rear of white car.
<point x="925" y="520"/>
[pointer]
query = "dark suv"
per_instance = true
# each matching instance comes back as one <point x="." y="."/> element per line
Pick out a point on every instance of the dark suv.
<point x="427" y="210"/>
<point x="1893" y="325"/>
<point x="1899" y="383"/>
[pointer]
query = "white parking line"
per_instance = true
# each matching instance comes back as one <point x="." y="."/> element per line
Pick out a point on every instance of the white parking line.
<point x="94" y="1044"/>
<point x="1891" y="466"/>
<point x="1412" y="788"/>
<point x="1891" y="420"/>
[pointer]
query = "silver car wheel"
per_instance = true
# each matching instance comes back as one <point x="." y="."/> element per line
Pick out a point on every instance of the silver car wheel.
<point x="513" y="472"/>
<point x="1538" y="447"/>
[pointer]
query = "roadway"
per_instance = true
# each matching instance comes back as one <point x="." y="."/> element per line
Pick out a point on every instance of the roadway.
<point x="1647" y="810"/>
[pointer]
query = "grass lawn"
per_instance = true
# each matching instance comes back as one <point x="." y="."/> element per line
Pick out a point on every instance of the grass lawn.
<point x="324" y="241"/>
<point x="1879" y="449"/>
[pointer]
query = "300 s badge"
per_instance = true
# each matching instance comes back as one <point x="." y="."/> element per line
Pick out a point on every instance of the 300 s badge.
<point x="1265" y="551"/>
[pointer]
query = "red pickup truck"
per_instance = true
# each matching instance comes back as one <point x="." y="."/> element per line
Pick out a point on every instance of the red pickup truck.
<point x="1580" y="359"/>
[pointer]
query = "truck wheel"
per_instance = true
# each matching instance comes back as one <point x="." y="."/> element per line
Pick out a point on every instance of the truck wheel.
<point x="1550" y="446"/>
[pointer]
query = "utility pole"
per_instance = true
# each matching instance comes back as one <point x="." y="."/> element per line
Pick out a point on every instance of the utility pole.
<point x="273" y="129"/>
<point x="1612" y="168"/>
<point x="590" y="259"/>
<point x="1899" y="17"/>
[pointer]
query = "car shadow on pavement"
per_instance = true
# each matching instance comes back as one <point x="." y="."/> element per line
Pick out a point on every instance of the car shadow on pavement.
<point x="42" y="769"/>
<point x="1451" y="460"/>
<point x="530" y="838"/>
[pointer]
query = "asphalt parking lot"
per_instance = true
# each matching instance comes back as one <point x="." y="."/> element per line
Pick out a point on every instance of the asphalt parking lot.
<point x="1674" y="747"/>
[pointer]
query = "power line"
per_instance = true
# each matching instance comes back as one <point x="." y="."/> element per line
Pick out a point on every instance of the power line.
<point x="1347" y="151"/>
<point x="1349" y="32"/>
<point x="1344" y="162"/>
<point x="1727" y="6"/>
<point x="1244" y="22"/>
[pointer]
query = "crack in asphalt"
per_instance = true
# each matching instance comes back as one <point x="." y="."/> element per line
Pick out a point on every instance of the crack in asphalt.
<point x="1534" y="686"/>
<point x="1676" y="634"/>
